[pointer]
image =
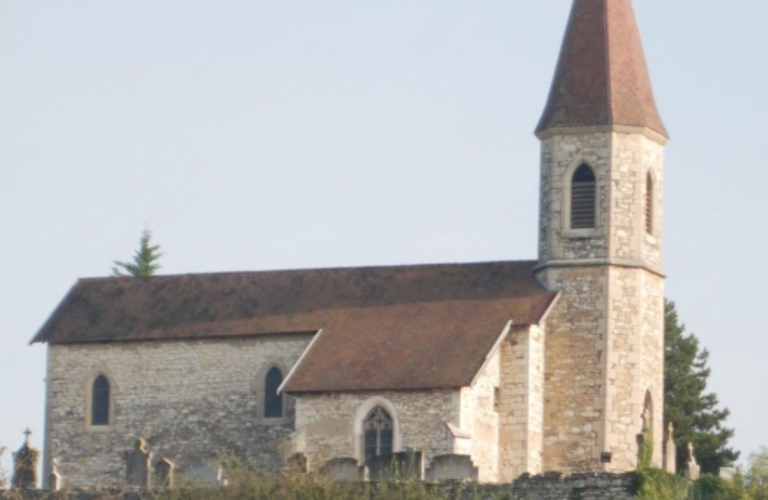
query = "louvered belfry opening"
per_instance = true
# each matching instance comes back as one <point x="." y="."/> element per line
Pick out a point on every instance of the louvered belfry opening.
<point x="583" y="195"/>
<point x="649" y="204"/>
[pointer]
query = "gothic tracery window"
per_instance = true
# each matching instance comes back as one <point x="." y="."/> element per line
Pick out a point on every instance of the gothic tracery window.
<point x="100" y="401"/>
<point x="273" y="402"/>
<point x="583" y="198"/>
<point x="378" y="433"/>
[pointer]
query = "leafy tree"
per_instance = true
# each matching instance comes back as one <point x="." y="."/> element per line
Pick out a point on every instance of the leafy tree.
<point x="3" y="477"/>
<point x="756" y="477"/>
<point x="694" y="412"/>
<point x="144" y="260"/>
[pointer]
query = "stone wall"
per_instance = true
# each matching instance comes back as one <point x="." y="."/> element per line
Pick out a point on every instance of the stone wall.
<point x="480" y="417"/>
<point x="605" y="336"/>
<point x="521" y="403"/>
<point x="329" y="424"/>
<point x="188" y="399"/>
<point x="574" y="371"/>
<point x="545" y="487"/>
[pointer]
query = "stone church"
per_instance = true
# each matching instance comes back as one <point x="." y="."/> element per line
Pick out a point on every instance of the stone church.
<point x="553" y="364"/>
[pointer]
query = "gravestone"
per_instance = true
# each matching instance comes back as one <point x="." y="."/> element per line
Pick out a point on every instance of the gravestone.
<point x="342" y="470"/>
<point x="164" y="473"/>
<point x="138" y="472"/>
<point x="298" y="463"/>
<point x="53" y="481"/>
<point x="670" y="451"/>
<point x="452" y="468"/>
<point x="201" y="473"/>
<point x="397" y="466"/>
<point x="25" y="466"/>
<point x="692" y="471"/>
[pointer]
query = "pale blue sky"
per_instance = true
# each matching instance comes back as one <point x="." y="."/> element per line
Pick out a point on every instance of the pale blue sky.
<point x="254" y="134"/>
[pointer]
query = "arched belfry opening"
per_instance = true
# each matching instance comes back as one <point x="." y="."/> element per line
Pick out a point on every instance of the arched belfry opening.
<point x="583" y="198"/>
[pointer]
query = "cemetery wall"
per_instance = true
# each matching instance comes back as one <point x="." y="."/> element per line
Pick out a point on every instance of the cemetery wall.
<point x="598" y="486"/>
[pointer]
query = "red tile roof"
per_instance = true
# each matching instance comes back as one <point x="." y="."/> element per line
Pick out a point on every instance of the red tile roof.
<point x="401" y="327"/>
<point x="601" y="77"/>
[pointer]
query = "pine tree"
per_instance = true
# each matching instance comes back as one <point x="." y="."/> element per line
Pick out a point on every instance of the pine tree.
<point x="144" y="260"/>
<point x="694" y="413"/>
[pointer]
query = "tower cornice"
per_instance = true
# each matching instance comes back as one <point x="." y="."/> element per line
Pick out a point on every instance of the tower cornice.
<point x="599" y="129"/>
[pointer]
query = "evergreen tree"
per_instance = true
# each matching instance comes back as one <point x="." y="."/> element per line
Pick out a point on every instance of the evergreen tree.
<point x="694" y="413"/>
<point x="144" y="260"/>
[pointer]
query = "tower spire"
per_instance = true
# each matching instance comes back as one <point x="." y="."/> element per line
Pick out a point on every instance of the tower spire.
<point x="601" y="77"/>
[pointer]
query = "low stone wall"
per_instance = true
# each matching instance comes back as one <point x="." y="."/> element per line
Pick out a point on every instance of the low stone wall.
<point x="549" y="486"/>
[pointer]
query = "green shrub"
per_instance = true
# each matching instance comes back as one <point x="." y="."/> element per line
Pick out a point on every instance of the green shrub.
<point x="656" y="484"/>
<point x="709" y="487"/>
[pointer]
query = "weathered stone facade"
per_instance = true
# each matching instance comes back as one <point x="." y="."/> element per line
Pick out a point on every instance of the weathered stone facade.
<point x="188" y="399"/>
<point x="330" y="425"/>
<point x="521" y="403"/>
<point x="605" y="336"/>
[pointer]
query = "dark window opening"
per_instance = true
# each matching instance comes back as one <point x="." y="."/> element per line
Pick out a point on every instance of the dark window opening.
<point x="649" y="204"/>
<point x="273" y="402"/>
<point x="583" y="198"/>
<point x="379" y="433"/>
<point x="100" y="401"/>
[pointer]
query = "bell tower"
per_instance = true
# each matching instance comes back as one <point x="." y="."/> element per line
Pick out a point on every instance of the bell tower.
<point x="600" y="240"/>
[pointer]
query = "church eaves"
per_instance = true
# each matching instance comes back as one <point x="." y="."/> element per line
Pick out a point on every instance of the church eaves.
<point x="601" y="77"/>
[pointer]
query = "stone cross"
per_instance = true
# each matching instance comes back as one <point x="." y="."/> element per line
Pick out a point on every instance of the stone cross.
<point x="53" y="482"/>
<point x="646" y="416"/>
<point x="693" y="471"/>
<point x="25" y="466"/>
<point x="138" y="473"/>
<point x="670" y="451"/>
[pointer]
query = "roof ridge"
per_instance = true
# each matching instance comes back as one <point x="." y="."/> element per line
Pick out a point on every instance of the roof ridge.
<point x="300" y="269"/>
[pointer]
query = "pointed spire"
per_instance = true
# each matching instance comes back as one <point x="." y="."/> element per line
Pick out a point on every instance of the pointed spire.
<point x="601" y="77"/>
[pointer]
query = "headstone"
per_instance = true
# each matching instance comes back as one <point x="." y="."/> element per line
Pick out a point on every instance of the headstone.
<point x="670" y="451"/>
<point x="201" y="473"/>
<point x="53" y="481"/>
<point x="221" y="477"/>
<point x="452" y="468"/>
<point x="25" y="466"/>
<point x="164" y="473"/>
<point x="693" y="471"/>
<point x="298" y="463"/>
<point x="397" y="466"/>
<point x="342" y="470"/>
<point x="138" y="473"/>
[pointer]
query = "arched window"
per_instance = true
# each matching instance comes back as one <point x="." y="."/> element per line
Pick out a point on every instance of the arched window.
<point x="100" y="401"/>
<point x="273" y="402"/>
<point x="649" y="204"/>
<point x="583" y="195"/>
<point x="378" y="433"/>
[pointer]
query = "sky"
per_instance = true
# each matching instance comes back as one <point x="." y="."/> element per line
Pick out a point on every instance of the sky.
<point x="255" y="134"/>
